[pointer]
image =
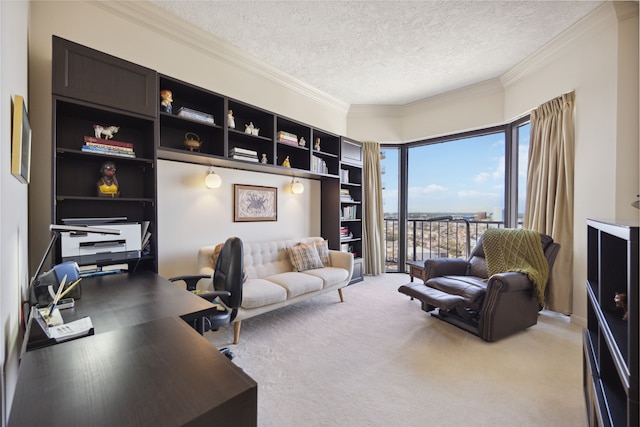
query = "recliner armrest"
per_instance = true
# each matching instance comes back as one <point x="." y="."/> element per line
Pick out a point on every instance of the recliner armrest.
<point x="510" y="282"/>
<point x="438" y="267"/>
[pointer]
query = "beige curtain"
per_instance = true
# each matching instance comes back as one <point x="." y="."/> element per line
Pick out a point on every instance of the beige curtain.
<point x="373" y="216"/>
<point x="549" y="205"/>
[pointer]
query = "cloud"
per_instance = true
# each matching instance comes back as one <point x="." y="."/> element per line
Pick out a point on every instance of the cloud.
<point x="481" y="178"/>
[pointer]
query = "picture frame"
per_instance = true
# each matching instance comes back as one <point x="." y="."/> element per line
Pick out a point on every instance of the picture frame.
<point x="20" y="141"/>
<point x="254" y="203"/>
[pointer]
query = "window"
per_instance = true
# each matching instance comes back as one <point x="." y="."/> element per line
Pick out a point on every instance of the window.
<point x="477" y="179"/>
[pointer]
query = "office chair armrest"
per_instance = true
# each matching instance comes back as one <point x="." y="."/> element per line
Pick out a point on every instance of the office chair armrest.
<point x="212" y="295"/>
<point x="190" y="280"/>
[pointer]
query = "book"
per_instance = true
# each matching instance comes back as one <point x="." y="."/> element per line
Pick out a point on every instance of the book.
<point x="98" y="150"/>
<point x="110" y="142"/>
<point x="246" y="158"/>
<point x="238" y="150"/>
<point x="113" y="148"/>
<point x="195" y="115"/>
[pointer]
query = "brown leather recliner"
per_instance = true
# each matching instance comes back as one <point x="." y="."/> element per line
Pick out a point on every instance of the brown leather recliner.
<point x="490" y="307"/>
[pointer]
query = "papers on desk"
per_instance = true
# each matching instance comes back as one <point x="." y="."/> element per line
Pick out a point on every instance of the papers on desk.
<point x="64" y="331"/>
<point x="70" y="330"/>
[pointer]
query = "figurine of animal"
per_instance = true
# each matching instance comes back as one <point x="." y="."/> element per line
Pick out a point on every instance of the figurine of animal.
<point x="106" y="131"/>
<point x="621" y="302"/>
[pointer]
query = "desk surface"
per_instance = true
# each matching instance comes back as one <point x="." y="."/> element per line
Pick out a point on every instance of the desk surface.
<point x="157" y="373"/>
<point x="121" y="300"/>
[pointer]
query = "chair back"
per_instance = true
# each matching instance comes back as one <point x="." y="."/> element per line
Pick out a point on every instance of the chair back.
<point x="228" y="273"/>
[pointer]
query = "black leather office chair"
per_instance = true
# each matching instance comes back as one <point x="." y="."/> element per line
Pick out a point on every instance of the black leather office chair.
<point x="227" y="285"/>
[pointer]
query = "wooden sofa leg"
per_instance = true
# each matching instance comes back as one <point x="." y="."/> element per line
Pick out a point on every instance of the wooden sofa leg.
<point x="341" y="296"/>
<point x="236" y="332"/>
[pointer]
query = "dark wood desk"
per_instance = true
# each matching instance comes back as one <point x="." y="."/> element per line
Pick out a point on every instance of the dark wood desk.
<point x="156" y="373"/>
<point x="122" y="300"/>
<point x="143" y="366"/>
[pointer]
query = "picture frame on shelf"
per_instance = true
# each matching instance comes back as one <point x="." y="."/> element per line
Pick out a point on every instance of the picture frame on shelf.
<point x="21" y="141"/>
<point x="252" y="203"/>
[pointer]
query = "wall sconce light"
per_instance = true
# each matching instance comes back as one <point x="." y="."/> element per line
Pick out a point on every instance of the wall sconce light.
<point x="213" y="180"/>
<point x="296" y="186"/>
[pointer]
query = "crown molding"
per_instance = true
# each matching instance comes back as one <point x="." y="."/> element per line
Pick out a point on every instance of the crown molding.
<point x="592" y="23"/>
<point x="156" y="19"/>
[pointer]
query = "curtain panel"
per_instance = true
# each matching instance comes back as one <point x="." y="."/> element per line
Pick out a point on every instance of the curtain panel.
<point x="373" y="215"/>
<point x="549" y="200"/>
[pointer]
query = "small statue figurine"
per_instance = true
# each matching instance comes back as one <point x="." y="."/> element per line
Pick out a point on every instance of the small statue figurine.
<point x="621" y="303"/>
<point x="286" y="163"/>
<point x="231" y="121"/>
<point x="317" y="144"/>
<point x="166" y="97"/>
<point x="108" y="183"/>
<point x="302" y="142"/>
<point x="249" y="128"/>
<point x="108" y="131"/>
<point x="264" y="160"/>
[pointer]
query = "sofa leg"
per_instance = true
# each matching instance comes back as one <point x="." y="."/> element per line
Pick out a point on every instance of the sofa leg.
<point x="341" y="296"/>
<point x="236" y="332"/>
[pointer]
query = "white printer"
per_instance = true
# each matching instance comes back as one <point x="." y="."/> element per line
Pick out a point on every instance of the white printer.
<point x="102" y="249"/>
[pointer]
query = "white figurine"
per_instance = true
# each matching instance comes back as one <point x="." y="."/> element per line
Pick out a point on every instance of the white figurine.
<point x="231" y="120"/>
<point x="264" y="159"/>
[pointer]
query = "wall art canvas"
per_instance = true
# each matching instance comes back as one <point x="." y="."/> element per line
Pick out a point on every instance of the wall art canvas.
<point x="255" y="203"/>
<point x="20" y="141"/>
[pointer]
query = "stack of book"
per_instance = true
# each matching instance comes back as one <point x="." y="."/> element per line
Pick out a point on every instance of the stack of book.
<point x="287" y="138"/>
<point x="243" y="154"/>
<point x="108" y="146"/>
<point x="345" y="234"/>
<point x="198" y="116"/>
<point x="145" y="237"/>
<point x="345" y="196"/>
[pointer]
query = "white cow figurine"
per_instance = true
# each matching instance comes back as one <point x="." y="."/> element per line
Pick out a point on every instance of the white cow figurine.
<point x="107" y="132"/>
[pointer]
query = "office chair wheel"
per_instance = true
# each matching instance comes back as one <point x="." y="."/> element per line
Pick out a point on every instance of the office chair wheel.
<point x="227" y="352"/>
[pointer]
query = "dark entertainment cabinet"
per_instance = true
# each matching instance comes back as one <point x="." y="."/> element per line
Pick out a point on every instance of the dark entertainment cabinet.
<point x="90" y="87"/>
<point x="610" y="342"/>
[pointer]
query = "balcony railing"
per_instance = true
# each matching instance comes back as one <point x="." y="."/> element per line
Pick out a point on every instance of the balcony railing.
<point x="433" y="238"/>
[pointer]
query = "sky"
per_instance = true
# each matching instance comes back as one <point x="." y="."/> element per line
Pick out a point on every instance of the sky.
<point x="462" y="176"/>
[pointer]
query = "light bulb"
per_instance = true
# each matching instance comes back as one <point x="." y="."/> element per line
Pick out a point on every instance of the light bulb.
<point x="212" y="180"/>
<point x="297" y="187"/>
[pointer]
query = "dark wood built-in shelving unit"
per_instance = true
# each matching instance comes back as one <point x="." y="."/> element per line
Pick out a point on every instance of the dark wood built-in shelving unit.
<point x="91" y="87"/>
<point x="610" y="341"/>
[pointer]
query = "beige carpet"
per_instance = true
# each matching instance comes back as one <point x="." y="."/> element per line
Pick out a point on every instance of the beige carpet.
<point x="378" y="360"/>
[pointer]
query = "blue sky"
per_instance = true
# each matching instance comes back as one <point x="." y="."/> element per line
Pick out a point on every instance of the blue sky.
<point x="463" y="176"/>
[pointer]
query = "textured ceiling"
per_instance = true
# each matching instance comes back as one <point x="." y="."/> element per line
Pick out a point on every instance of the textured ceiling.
<point x="385" y="52"/>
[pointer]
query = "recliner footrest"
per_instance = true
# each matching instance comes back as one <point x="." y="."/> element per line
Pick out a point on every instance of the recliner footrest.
<point x="431" y="296"/>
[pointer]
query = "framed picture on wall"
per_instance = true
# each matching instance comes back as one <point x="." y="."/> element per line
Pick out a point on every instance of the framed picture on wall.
<point x="20" y="141"/>
<point x="254" y="203"/>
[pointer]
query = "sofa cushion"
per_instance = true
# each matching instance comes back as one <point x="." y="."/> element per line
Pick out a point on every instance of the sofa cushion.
<point x="470" y="287"/>
<point x="323" y="251"/>
<point x="260" y="292"/>
<point x="296" y="283"/>
<point x="329" y="275"/>
<point x="304" y="256"/>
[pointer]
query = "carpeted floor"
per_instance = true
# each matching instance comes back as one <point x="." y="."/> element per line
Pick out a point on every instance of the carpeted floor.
<point x="378" y="360"/>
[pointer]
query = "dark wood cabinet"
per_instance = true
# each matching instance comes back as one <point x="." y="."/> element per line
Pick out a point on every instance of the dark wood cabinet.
<point x="611" y="337"/>
<point x="91" y="88"/>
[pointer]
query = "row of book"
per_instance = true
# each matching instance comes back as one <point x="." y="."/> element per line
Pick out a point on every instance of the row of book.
<point x="238" y="153"/>
<point x="344" y="175"/>
<point x="287" y="138"/>
<point x="350" y="212"/>
<point x="108" y="146"/>
<point x="318" y="165"/>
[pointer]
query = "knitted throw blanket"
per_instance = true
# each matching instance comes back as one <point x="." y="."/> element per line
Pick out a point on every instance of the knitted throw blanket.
<point x="517" y="250"/>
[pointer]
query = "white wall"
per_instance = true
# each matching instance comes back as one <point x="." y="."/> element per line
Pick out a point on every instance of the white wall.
<point x="192" y="215"/>
<point x="14" y="277"/>
<point x="597" y="58"/>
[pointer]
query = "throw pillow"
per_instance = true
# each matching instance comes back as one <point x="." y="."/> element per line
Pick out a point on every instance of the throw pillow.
<point x="323" y="252"/>
<point x="216" y="254"/>
<point x="304" y="257"/>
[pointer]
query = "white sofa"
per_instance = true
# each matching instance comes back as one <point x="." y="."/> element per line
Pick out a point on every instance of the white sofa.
<point x="271" y="280"/>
